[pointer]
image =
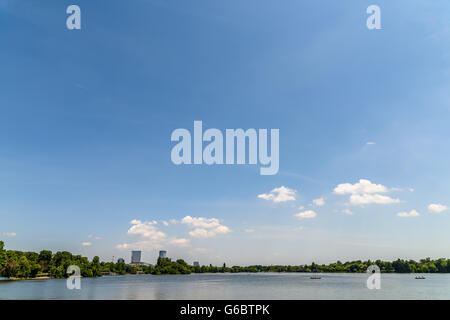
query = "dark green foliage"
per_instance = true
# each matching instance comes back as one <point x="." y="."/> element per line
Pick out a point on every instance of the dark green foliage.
<point x="167" y="266"/>
<point x="18" y="264"/>
<point x="29" y="264"/>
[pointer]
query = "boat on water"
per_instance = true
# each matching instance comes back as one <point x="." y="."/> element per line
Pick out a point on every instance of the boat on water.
<point x="315" y="277"/>
<point x="420" y="277"/>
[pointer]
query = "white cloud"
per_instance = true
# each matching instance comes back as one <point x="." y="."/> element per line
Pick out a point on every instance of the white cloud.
<point x="200" y="233"/>
<point x="145" y="245"/>
<point x="179" y="242"/>
<point x="208" y="233"/>
<point x="153" y="238"/>
<point x="319" y="202"/>
<point x="9" y="234"/>
<point x="365" y="192"/>
<point x="204" y="227"/>
<point x="146" y="229"/>
<point x="362" y="199"/>
<point x="412" y="213"/>
<point x="86" y="244"/>
<point x="301" y="208"/>
<point x="370" y="143"/>
<point x="201" y="222"/>
<point x="347" y="212"/>
<point x="363" y="186"/>
<point x="437" y="208"/>
<point x="308" y="214"/>
<point x="281" y="194"/>
<point x="249" y="230"/>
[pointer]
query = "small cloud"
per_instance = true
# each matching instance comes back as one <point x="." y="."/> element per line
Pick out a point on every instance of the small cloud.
<point x="249" y="230"/>
<point x="86" y="244"/>
<point x="362" y="187"/>
<point x="146" y="229"/>
<point x="150" y="237"/>
<point x="437" y="208"/>
<point x="180" y="242"/>
<point x="370" y="143"/>
<point x="98" y="238"/>
<point x="308" y="214"/>
<point x="205" y="233"/>
<point x="365" y="192"/>
<point x="205" y="227"/>
<point x="412" y="213"/>
<point x="281" y="194"/>
<point x="347" y="212"/>
<point x="362" y="199"/>
<point x="301" y="208"/>
<point x="9" y="234"/>
<point x="319" y="202"/>
<point x="144" y="245"/>
<point x="165" y="223"/>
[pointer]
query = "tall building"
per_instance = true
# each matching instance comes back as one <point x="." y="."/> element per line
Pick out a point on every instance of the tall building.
<point x="163" y="254"/>
<point x="135" y="256"/>
<point x="196" y="264"/>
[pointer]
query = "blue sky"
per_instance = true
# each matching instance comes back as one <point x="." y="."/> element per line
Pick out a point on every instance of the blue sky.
<point x="86" y="119"/>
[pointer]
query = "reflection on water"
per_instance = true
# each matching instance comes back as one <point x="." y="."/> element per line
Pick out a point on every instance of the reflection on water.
<point x="233" y="286"/>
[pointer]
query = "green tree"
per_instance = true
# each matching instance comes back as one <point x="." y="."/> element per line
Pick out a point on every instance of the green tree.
<point x="24" y="267"/>
<point x="45" y="259"/>
<point x="96" y="272"/>
<point x="3" y="257"/>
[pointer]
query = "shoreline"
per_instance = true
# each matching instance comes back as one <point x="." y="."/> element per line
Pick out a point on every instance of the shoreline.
<point x="20" y="279"/>
<point x="210" y="273"/>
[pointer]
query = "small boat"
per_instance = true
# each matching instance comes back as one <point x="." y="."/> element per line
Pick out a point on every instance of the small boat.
<point x="315" y="277"/>
<point x="420" y="277"/>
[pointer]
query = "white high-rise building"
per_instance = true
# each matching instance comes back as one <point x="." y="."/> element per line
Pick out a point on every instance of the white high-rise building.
<point x="135" y="256"/>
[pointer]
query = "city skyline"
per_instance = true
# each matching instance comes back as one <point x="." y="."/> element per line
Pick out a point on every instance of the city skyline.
<point x="87" y="118"/>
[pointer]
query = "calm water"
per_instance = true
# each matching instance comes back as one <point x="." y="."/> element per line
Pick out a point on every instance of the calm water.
<point x="233" y="286"/>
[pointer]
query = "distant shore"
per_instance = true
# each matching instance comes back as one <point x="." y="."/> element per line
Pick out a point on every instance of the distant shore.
<point x="18" y="265"/>
<point x="210" y="273"/>
<point x="20" y="279"/>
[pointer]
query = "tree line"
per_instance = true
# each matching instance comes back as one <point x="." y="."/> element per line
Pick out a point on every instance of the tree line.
<point x="18" y="264"/>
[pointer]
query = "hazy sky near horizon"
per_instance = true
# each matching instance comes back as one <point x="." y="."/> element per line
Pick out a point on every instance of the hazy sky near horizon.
<point x="87" y="115"/>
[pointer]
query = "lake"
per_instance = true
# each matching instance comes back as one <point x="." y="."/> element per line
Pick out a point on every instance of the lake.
<point x="239" y="286"/>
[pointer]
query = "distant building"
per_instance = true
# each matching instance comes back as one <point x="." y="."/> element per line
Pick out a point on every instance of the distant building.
<point x="120" y="260"/>
<point x="135" y="256"/>
<point x="196" y="264"/>
<point x="139" y="264"/>
<point x="163" y="254"/>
